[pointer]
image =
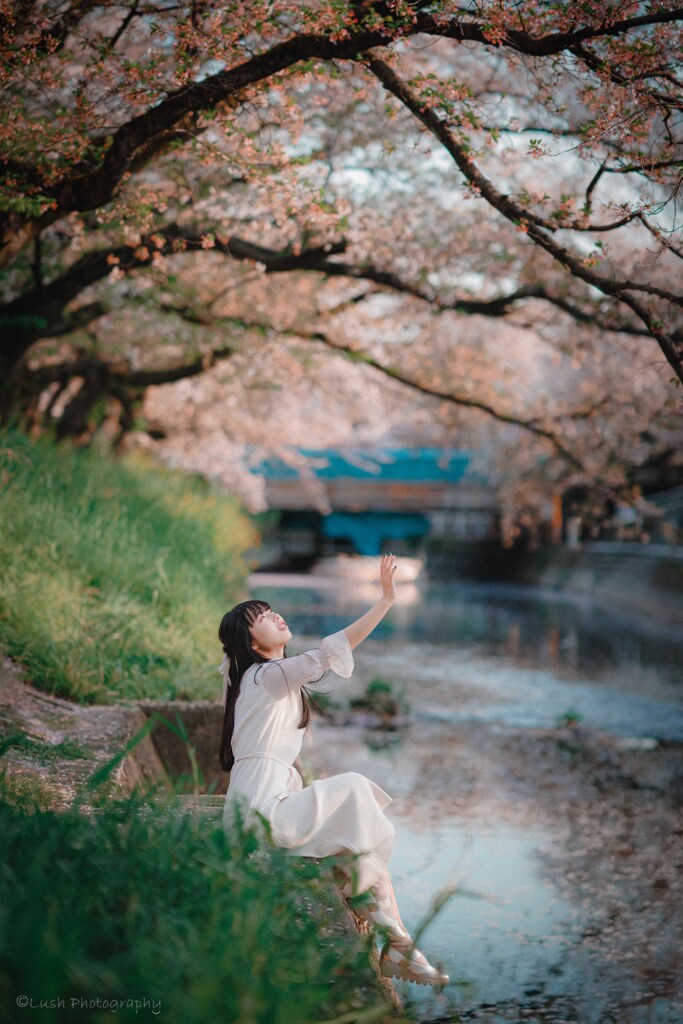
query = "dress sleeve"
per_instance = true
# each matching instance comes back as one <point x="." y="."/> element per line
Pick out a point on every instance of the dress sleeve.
<point x="279" y="678"/>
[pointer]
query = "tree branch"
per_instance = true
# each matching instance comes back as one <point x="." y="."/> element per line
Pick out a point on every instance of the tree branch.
<point x="60" y="28"/>
<point x="95" y="179"/>
<point x="543" y="46"/>
<point x="40" y="312"/>
<point x="519" y="216"/>
<point x="530" y="425"/>
<point x="120" y="373"/>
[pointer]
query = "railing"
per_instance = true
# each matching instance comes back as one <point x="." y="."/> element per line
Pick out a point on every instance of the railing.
<point x="668" y="552"/>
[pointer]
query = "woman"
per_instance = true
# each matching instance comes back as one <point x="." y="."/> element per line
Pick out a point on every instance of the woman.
<point x="267" y="710"/>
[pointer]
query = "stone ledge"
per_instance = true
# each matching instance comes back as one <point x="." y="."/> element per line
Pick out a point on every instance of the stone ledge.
<point x="95" y="733"/>
<point x="203" y="722"/>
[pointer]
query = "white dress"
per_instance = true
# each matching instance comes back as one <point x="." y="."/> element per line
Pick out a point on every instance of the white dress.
<point x="340" y="814"/>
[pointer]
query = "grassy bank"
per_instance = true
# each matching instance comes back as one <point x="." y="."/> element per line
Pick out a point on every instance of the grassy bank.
<point x="114" y="573"/>
<point x="113" y="579"/>
<point x="142" y="903"/>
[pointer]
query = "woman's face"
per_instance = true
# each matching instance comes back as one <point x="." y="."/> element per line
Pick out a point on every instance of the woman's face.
<point x="269" y="632"/>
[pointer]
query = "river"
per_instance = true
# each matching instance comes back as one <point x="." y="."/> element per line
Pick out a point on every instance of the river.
<point x="538" y="780"/>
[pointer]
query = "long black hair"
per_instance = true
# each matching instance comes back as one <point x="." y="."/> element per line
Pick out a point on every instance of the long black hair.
<point x="234" y="634"/>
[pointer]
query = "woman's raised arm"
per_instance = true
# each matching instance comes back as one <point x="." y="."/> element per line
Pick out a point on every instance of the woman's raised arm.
<point x="278" y="677"/>
<point x="363" y="627"/>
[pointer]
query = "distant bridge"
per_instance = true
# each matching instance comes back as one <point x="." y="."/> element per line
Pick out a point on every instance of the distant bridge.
<point x="362" y="499"/>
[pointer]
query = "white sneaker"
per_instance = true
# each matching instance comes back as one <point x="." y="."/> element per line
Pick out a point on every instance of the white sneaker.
<point x="409" y="964"/>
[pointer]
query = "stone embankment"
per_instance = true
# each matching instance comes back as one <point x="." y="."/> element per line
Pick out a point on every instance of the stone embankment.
<point x="634" y="579"/>
<point x="51" y="746"/>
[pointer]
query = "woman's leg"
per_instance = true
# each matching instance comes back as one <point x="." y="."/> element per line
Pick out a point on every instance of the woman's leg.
<point x="400" y="958"/>
<point x="411" y="958"/>
<point x="387" y="889"/>
<point x="379" y="906"/>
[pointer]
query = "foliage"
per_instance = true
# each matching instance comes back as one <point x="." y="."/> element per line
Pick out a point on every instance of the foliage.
<point x="114" y="572"/>
<point x="380" y="698"/>
<point x="569" y="719"/>
<point x="145" y="902"/>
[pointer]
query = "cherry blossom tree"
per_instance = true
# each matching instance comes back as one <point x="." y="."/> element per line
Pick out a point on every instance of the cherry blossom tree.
<point x="511" y="164"/>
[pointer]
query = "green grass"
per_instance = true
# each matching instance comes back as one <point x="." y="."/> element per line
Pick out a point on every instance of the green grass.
<point x="144" y="901"/>
<point x="114" y="576"/>
<point x="42" y="752"/>
<point x="114" y="573"/>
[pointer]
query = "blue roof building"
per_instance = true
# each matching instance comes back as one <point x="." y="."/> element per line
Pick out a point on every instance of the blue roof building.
<point x="365" y="499"/>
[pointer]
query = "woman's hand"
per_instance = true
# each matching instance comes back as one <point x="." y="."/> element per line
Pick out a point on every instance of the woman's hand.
<point x="362" y="627"/>
<point x="387" y="571"/>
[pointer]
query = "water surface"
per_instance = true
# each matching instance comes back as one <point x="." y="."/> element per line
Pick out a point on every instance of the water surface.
<point x="555" y="917"/>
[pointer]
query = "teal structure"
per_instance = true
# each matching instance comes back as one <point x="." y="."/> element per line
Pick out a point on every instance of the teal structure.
<point x="368" y="532"/>
<point x="404" y="465"/>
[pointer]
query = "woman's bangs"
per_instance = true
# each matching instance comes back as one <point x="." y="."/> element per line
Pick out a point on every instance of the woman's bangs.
<point x="252" y="610"/>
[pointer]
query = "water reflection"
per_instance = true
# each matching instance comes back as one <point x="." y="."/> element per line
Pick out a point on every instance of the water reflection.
<point x="517" y="623"/>
<point x="501" y="904"/>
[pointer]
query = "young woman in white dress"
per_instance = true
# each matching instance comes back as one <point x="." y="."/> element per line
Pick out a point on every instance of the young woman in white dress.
<point x="267" y="711"/>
